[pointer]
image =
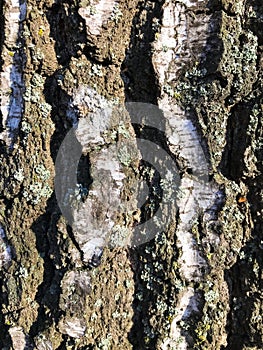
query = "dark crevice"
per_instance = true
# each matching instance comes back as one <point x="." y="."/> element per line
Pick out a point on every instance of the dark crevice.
<point x="244" y="282"/>
<point x="45" y="227"/>
<point x="245" y="276"/>
<point x="2" y="39"/>
<point x="155" y="195"/>
<point x="137" y="70"/>
<point x="232" y="163"/>
<point x="156" y="136"/>
<point x="83" y="174"/>
<point x="90" y="53"/>
<point x="212" y="52"/>
<point x="141" y="86"/>
<point x="255" y="23"/>
<point x="49" y="290"/>
<point x="67" y="46"/>
<point x="63" y="345"/>
<point x="76" y="244"/>
<point x="229" y="13"/>
<point x="5" y="339"/>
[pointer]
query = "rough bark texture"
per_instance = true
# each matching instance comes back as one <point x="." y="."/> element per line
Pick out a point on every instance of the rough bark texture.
<point x="196" y="285"/>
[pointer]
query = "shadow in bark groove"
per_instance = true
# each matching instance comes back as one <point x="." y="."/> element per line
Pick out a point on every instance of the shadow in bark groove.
<point x="68" y="31"/>
<point x="5" y="338"/>
<point x="232" y="163"/>
<point x="245" y="276"/>
<point x="47" y="245"/>
<point x="141" y="85"/>
<point x="45" y="227"/>
<point x="244" y="281"/>
<point x="61" y="25"/>
<point x="2" y="22"/>
<point x="137" y="68"/>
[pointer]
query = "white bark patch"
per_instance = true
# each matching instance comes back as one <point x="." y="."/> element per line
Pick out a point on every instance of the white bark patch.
<point x="196" y="194"/>
<point x="42" y="343"/>
<point x="96" y="131"/>
<point x="72" y="327"/>
<point x="188" y="303"/>
<point x="85" y="101"/>
<point x="18" y="338"/>
<point x="11" y="78"/>
<point x="181" y="41"/>
<point x="97" y="13"/>
<point x="5" y="250"/>
<point x="94" y="221"/>
<point x="174" y="46"/>
<point x="75" y="286"/>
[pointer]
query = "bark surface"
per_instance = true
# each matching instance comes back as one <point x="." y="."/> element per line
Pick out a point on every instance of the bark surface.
<point x="197" y="284"/>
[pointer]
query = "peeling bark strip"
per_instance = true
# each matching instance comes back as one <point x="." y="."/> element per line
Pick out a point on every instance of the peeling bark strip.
<point x="5" y="250"/>
<point x="173" y="51"/>
<point x="198" y="283"/>
<point x="11" y="79"/>
<point x="104" y="133"/>
<point x="98" y="12"/>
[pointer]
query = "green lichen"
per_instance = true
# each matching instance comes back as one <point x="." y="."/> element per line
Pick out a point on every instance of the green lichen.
<point x="26" y="127"/>
<point x="32" y="95"/>
<point x="96" y="70"/>
<point x="45" y="109"/>
<point x="91" y="9"/>
<point x="42" y="172"/>
<point x="119" y="236"/>
<point x="122" y="130"/>
<point x="19" y="175"/>
<point x="124" y="155"/>
<point x="105" y="343"/>
<point x="116" y="14"/>
<point x="36" y="192"/>
<point x="38" y="81"/>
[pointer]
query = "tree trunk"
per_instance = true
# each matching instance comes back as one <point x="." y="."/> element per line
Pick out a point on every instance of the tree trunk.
<point x="86" y="262"/>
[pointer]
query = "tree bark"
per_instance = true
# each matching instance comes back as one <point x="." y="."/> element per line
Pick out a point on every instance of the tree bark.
<point x="195" y="284"/>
